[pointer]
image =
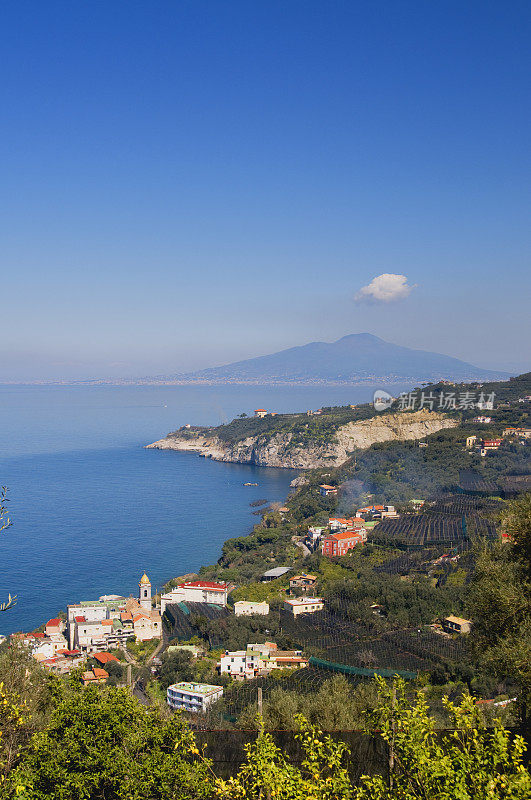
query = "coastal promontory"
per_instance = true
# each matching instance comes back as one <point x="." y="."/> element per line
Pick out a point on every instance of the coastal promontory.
<point x="303" y="441"/>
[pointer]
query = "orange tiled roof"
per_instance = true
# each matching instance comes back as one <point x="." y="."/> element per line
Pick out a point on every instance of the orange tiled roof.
<point x="100" y="673"/>
<point x="345" y="535"/>
<point x="104" y="658"/>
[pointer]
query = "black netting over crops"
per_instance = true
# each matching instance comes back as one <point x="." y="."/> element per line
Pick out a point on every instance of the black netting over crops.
<point x="181" y="620"/>
<point x="367" y="755"/>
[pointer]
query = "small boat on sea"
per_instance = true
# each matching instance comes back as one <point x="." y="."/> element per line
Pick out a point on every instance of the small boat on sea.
<point x="250" y="484"/>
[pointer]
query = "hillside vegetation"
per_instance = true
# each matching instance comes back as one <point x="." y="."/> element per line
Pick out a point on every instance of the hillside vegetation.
<point x="316" y="429"/>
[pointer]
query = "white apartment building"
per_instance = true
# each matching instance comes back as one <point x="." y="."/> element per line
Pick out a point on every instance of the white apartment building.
<point x="244" y="608"/>
<point x="90" y="612"/>
<point x="88" y="635"/>
<point x="193" y="697"/>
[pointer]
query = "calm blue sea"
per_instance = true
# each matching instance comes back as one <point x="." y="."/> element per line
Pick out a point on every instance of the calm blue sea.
<point x="92" y="509"/>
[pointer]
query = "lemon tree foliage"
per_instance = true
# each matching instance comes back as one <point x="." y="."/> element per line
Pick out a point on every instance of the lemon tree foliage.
<point x="13" y="717"/>
<point x="467" y="763"/>
<point x="26" y="697"/>
<point x="101" y="744"/>
<point x="323" y="774"/>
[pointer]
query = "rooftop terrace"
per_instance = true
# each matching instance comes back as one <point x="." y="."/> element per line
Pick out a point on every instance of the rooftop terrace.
<point x="197" y="688"/>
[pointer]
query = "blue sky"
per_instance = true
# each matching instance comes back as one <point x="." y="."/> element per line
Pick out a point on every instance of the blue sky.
<point x="190" y="183"/>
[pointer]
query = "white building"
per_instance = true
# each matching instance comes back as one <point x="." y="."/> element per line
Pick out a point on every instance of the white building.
<point x="235" y="663"/>
<point x="389" y="512"/>
<point x="86" y="612"/>
<point x="303" y="605"/>
<point x="196" y="592"/>
<point x="244" y="608"/>
<point x="195" y="697"/>
<point x="48" y="646"/>
<point x="260" y="658"/>
<point x="147" y="626"/>
<point x="88" y="635"/>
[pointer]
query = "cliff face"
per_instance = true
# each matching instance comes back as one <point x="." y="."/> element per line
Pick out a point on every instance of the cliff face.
<point x="280" y="451"/>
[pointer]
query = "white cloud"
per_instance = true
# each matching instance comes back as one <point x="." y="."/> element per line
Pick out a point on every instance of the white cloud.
<point x="385" y="288"/>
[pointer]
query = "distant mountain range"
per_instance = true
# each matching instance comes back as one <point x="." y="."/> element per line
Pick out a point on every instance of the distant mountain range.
<point x="357" y="357"/>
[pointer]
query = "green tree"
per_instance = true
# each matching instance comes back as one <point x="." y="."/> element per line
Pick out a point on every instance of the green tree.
<point x="175" y="667"/>
<point x="27" y="686"/>
<point x="101" y="744"/>
<point x="516" y="523"/>
<point x="469" y="763"/>
<point x="267" y="774"/>
<point x="116" y="673"/>
<point x="501" y="604"/>
<point x="13" y="720"/>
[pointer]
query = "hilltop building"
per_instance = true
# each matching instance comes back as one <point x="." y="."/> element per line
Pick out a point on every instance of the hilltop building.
<point x="54" y="627"/>
<point x="274" y="573"/>
<point x="456" y="625"/>
<point x="63" y="662"/>
<point x="524" y="433"/>
<point x="96" y="675"/>
<point x="488" y="445"/>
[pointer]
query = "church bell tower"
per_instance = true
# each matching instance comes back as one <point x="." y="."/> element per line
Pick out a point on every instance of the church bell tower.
<point x="144" y="594"/>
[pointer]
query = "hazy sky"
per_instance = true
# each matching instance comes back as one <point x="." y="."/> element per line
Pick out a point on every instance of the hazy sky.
<point x="189" y="183"/>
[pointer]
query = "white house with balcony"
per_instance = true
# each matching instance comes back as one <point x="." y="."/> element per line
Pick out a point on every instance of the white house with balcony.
<point x="193" y="697"/>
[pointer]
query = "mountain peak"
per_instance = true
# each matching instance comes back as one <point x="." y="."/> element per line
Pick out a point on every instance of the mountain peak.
<point x="353" y="358"/>
<point x="360" y="337"/>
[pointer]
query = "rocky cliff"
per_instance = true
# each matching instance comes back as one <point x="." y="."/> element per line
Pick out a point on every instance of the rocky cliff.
<point x="279" y="450"/>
